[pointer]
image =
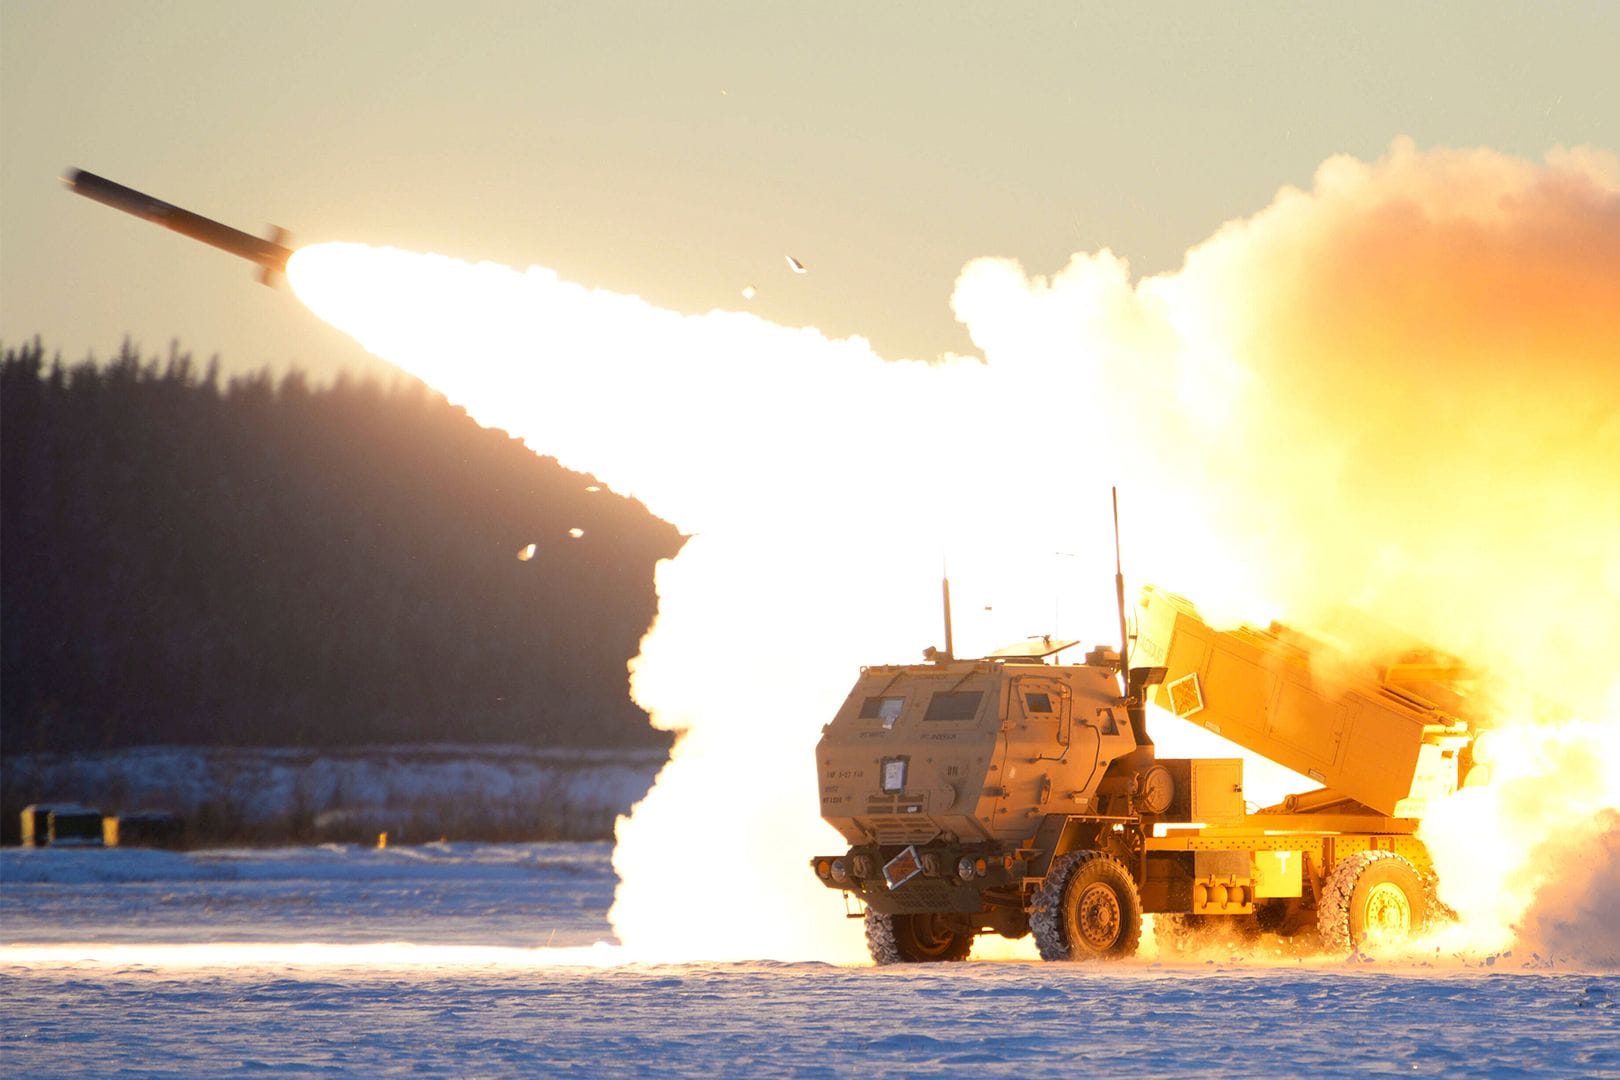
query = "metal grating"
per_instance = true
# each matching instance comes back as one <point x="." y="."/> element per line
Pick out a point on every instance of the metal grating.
<point x="925" y="894"/>
<point x="901" y="831"/>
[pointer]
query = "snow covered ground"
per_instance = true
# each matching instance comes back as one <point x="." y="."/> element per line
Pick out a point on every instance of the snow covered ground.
<point x="469" y="959"/>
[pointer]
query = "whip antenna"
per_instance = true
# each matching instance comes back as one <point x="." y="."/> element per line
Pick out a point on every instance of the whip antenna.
<point x="1119" y="594"/>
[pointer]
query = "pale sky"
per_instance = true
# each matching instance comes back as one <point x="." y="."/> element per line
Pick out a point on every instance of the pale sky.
<point x="680" y="151"/>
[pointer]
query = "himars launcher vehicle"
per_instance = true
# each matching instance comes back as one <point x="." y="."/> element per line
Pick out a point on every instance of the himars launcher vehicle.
<point x="1013" y="795"/>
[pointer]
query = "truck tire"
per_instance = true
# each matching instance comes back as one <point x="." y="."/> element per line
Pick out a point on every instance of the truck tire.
<point x="1372" y="895"/>
<point x="916" y="939"/>
<point x="1086" y="909"/>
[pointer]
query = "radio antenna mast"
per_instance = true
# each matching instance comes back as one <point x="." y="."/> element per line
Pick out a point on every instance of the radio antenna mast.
<point x="1119" y="595"/>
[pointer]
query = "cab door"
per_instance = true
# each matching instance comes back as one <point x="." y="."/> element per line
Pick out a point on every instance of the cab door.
<point x="1044" y="708"/>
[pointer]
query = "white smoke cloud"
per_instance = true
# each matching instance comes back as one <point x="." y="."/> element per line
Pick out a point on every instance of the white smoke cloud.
<point x="1572" y="917"/>
<point x="1397" y="390"/>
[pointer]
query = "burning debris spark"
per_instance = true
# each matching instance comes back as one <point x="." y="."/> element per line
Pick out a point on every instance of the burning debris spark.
<point x="795" y="265"/>
<point x="749" y="292"/>
<point x="576" y="533"/>
<point x="593" y="488"/>
<point x="1407" y="374"/>
<point x="526" y="552"/>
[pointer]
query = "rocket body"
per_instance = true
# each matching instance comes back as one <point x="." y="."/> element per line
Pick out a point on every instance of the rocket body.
<point x="270" y="254"/>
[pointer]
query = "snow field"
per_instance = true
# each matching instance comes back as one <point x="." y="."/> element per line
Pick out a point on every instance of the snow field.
<point x="806" y="1019"/>
<point x="496" y="960"/>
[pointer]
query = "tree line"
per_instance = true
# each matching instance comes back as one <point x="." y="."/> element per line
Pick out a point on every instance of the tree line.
<point x="260" y="561"/>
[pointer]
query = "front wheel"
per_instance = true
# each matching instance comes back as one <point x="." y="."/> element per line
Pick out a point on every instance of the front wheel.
<point x="1087" y="909"/>
<point x="1372" y="898"/>
<point x="923" y="938"/>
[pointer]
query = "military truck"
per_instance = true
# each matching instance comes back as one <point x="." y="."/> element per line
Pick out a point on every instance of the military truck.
<point x="1015" y="794"/>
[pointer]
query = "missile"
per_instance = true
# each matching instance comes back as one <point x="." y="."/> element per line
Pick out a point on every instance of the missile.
<point x="270" y="254"/>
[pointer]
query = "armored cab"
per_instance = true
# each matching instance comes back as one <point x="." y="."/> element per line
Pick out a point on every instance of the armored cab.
<point x="955" y="783"/>
<point x="969" y="750"/>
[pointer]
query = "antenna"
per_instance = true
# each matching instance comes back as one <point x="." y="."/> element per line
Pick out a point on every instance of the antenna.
<point x="1119" y="594"/>
<point x="945" y="589"/>
<point x="1135" y="687"/>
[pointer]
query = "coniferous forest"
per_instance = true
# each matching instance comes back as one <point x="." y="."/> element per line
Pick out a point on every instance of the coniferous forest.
<point x="260" y="561"/>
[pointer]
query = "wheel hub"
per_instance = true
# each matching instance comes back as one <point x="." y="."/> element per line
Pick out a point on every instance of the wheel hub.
<point x="1097" y="916"/>
<point x="1388" y="911"/>
<point x="932" y="934"/>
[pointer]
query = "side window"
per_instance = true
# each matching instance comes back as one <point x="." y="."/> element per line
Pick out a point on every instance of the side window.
<point x="1038" y="703"/>
<point x="886" y="709"/>
<point x="954" y="705"/>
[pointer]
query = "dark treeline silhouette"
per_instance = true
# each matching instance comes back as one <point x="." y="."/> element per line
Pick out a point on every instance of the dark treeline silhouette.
<point x="267" y="563"/>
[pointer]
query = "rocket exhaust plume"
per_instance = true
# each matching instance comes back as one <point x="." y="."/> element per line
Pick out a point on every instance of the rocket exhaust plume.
<point x="1399" y="390"/>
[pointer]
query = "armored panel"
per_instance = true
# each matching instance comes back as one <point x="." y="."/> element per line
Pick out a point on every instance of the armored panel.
<point x="1237" y="864"/>
<point x="1312" y="724"/>
<point x="925" y="894"/>
<point x="1380" y="754"/>
<point x="1278" y="873"/>
<point x="1168" y="883"/>
<point x="1217" y="790"/>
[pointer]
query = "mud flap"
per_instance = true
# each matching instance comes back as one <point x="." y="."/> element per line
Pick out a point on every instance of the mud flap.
<point x="1047" y="838"/>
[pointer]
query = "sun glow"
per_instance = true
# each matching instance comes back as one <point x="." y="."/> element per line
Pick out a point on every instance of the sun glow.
<point x="1396" y="391"/>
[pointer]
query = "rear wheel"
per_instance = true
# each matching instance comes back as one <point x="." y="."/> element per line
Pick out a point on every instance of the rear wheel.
<point x="928" y="937"/>
<point x="1372" y="898"/>
<point x="1087" y="909"/>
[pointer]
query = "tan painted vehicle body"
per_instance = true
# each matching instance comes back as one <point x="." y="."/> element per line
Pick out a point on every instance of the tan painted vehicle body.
<point x="1012" y="795"/>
